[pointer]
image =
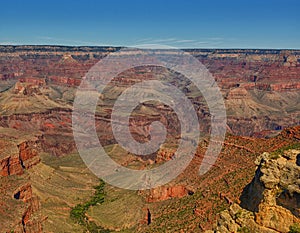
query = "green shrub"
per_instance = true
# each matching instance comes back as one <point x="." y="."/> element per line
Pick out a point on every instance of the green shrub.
<point x="274" y="155"/>
<point x="99" y="195"/>
<point x="282" y="149"/>
<point x="244" y="230"/>
<point x="77" y="213"/>
<point x="295" y="228"/>
<point x="238" y="214"/>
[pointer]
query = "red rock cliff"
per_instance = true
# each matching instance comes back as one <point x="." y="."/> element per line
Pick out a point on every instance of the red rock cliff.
<point x="19" y="205"/>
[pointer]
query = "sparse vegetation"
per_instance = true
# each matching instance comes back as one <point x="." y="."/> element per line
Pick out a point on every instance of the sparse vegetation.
<point x="238" y="214"/>
<point x="295" y="228"/>
<point x="244" y="230"/>
<point x="78" y="212"/>
<point x="276" y="154"/>
<point x="289" y="147"/>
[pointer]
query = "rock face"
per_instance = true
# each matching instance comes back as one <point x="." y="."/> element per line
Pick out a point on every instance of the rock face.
<point x="163" y="193"/>
<point x="10" y="165"/>
<point x="28" y="154"/>
<point x="19" y="206"/>
<point x="30" y="223"/>
<point x="270" y="203"/>
<point x="29" y="86"/>
<point x="15" y="158"/>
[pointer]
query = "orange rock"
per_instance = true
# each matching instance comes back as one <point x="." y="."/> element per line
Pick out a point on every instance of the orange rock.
<point x="163" y="193"/>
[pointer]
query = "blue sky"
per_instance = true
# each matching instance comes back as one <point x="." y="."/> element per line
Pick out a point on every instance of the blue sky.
<point x="188" y="23"/>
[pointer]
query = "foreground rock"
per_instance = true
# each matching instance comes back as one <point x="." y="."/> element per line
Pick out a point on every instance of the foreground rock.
<point x="270" y="203"/>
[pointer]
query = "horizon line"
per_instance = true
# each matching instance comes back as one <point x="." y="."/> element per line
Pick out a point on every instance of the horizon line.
<point x="124" y="46"/>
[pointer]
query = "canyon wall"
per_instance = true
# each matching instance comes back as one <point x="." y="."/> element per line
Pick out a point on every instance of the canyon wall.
<point x="20" y="207"/>
<point x="260" y="87"/>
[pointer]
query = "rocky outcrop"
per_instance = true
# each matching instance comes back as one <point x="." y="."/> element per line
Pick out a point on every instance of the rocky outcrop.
<point x="290" y="60"/>
<point x="28" y="89"/>
<point x="166" y="192"/>
<point x="30" y="224"/>
<point x="19" y="205"/>
<point x="270" y="203"/>
<point x="16" y="158"/>
<point x="28" y="154"/>
<point x="164" y="155"/>
<point x="238" y="93"/>
<point x="281" y="87"/>
<point x="30" y="221"/>
<point x="10" y="165"/>
<point x="21" y="208"/>
<point x="62" y="80"/>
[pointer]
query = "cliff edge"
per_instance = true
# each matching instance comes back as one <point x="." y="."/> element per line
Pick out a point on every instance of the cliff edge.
<point x="271" y="202"/>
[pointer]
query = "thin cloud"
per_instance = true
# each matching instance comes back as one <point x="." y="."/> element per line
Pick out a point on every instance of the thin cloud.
<point x="144" y="40"/>
<point x="72" y="42"/>
<point x="185" y="43"/>
<point x="165" y="40"/>
<point x="209" y="42"/>
<point x="8" y="43"/>
<point x="216" y="38"/>
<point x="158" y="40"/>
<point x="201" y="42"/>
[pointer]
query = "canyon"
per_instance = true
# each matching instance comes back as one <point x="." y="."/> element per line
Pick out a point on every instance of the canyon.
<point x="43" y="177"/>
<point x="260" y="87"/>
